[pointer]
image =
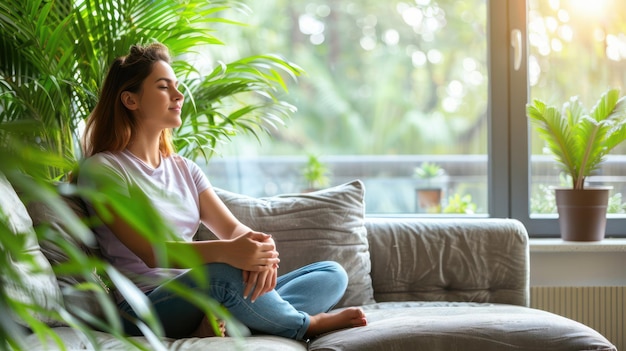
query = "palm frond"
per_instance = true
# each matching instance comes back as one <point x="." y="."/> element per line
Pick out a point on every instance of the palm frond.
<point x="556" y="131"/>
<point x="241" y="96"/>
<point x="587" y="152"/>
<point x="580" y="141"/>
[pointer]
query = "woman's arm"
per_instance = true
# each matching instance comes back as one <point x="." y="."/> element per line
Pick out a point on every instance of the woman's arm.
<point x="218" y="218"/>
<point x="251" y="251"/>
<point x="240" y="246"/>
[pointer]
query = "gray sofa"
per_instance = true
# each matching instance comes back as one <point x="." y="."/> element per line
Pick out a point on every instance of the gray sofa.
<point x="425" y="284"/>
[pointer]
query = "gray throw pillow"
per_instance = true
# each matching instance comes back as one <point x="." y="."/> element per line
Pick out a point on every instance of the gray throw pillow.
<point x="322" y="225"/>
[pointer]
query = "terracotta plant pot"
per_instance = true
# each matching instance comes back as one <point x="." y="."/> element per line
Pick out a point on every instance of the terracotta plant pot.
<point x="582" y="213"/>
<point x="429" y="200"/>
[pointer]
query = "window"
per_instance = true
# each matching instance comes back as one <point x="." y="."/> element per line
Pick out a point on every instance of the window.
<point x="575" y="48"/>
<point x="394" y="88"/>
<point x="388" y="98"/>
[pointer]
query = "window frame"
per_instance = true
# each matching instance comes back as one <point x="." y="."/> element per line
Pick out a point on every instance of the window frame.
<point x="512" y="87"/>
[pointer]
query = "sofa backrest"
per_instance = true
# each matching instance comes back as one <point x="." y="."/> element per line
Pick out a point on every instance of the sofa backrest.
<point x="477" y="260"/>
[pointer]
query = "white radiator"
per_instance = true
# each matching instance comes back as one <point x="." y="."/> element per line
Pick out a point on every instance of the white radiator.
<point x="602" y="308"/>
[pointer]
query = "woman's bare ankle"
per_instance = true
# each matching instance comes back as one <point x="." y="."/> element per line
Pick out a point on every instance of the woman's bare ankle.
<point x="205" y="329"/>
<point x="327" y="322"/>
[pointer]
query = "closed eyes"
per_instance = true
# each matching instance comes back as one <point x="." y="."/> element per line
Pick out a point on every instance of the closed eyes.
<point x="168" y="81"/>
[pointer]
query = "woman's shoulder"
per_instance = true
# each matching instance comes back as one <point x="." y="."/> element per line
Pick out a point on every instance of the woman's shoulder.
<point x="192" y="168"/>
<point x="105" y="158"/>
<point x="99" y="166"/>
<point x="179" y="158"/>
<point x="105" y="162"/>
<point x="182" y="161"/>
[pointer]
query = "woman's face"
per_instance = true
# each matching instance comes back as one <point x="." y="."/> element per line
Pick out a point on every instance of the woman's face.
<point x="159" y="102"/>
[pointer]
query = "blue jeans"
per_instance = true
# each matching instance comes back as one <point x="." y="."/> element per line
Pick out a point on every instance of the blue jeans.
<point x="285" y="311"/>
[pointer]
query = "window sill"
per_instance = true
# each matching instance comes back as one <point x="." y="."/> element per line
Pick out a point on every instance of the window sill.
<point x="558" y="245"/>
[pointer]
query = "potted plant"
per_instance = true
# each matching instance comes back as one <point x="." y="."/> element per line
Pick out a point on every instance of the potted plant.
<point x="315" y="173"/>
<point x="429" y="191"/>
<point x="579" y="141"/>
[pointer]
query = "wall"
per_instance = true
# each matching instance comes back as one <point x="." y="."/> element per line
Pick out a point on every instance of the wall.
<point x="576" y="266"/>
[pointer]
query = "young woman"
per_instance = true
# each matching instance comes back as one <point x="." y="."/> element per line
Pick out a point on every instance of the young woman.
<point x="128" y="139"/>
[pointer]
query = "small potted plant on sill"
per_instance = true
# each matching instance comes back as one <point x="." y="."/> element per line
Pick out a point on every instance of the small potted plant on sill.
<point x="315" y="173"/>
<point x="429" y="191"/>
<point x="579" y="141"/>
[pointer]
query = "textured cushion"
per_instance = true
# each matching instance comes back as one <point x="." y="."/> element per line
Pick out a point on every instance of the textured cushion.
<point x="323" y="225"/>
<point x="34" y="282"/>
<point x="74" y="340"/>
<point x="449" y="259"/>
<point x="432" y="326"/>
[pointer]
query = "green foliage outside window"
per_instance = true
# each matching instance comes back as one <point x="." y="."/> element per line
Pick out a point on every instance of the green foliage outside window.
<point x="383" y="77"/>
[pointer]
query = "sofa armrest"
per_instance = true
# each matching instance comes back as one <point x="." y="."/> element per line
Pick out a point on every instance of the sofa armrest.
<point x="475" y="260"/>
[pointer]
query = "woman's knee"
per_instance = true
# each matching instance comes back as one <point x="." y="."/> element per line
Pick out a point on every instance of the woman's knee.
<point x="337" y="273"/>
<point x="201" y="277"/>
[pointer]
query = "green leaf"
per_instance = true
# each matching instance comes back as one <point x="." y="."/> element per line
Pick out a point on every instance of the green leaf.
<point x="580" y="141"/>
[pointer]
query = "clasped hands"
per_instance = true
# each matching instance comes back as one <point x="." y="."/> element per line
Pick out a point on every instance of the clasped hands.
<point x="257" y="256"/>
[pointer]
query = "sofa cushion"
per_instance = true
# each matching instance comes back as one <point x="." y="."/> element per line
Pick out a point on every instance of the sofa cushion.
<point x="30" y="279"/>
<point x="467" y="326"/>
<point x="75" y="340"/>
<point x="449" y="259"/>
<point x="327" y="224"/>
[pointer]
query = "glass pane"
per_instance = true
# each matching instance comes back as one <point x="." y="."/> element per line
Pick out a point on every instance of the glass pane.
<point x="390" y="87"/>
<point x="576" y="48"/>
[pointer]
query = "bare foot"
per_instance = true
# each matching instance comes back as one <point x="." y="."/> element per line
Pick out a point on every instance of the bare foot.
<point x="205" y="329"/>
<point x="325" y="322"/>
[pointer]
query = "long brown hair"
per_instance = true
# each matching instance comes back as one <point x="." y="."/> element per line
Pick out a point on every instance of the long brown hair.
<point x="111" y="125"/>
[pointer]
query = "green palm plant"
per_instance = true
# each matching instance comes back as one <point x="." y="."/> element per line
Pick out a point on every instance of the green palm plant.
<point x="54" y="55"/>
<point x="53" y="58"/>
<point x="580" y="140"/>
<point x="238" y="96"/>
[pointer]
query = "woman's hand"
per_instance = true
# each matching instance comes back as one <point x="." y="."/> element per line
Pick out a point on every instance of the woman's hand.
<point x="259" y="283"/>
<point x="253" y="251"/>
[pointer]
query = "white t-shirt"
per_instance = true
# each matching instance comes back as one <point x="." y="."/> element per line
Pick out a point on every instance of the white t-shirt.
<point x="173" y="187"/>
